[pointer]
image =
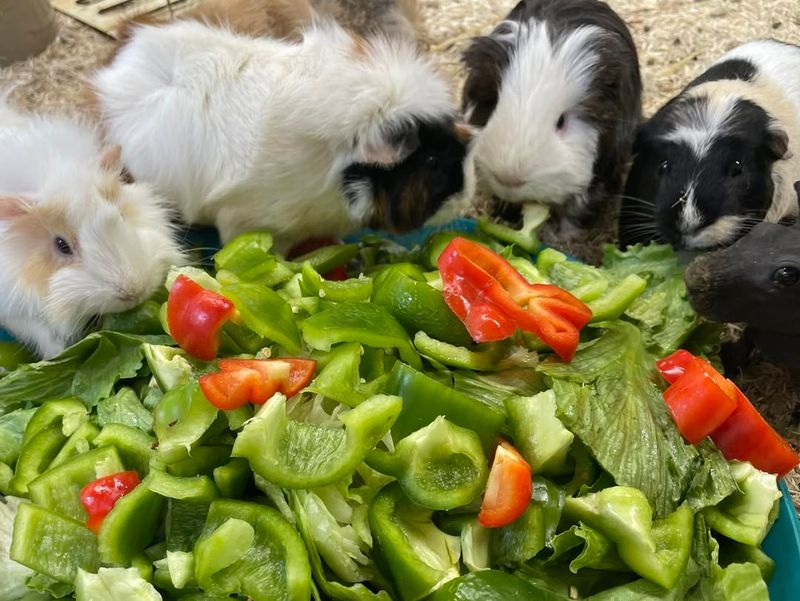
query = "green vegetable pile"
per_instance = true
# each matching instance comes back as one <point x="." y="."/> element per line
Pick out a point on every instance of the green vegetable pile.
<point x="367" y="485"/>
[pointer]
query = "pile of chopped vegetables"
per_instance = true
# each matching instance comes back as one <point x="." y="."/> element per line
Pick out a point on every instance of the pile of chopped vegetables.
<point x="456" y="422"/>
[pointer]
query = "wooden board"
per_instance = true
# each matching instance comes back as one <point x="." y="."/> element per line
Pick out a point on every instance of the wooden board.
<point x="108" y="15"/>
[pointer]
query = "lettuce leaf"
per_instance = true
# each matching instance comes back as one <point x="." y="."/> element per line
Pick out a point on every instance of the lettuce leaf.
<point x="124" y="408"/>
<point x="12" y="584"/>
<point x="114" y="584"/>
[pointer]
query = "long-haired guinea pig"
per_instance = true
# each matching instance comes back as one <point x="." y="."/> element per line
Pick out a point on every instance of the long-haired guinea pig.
<point x="557" y="91"/>
<point x="722" y="155"/>
<point x="755" y="281"/>
<point x="75" y="241"/>
<point x="306" y="139"/>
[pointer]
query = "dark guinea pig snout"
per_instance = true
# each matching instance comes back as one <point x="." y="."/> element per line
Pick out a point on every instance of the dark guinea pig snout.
<point x="699" y="277"/>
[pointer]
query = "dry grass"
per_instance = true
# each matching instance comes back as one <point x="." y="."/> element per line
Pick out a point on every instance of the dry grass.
<point x="676" y="38"/>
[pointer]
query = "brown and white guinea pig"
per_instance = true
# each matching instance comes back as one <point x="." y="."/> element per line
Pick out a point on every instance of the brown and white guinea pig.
<point x="557" y="92"/>
<point x="75" y="242"/>
<point x="755" y="281"/>
<point x="722" y="155"/>
<point x="307" y="139"/>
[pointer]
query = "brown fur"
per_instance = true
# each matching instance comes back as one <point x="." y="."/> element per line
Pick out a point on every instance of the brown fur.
<point x="364" y="17"/>
<point x="257" y="18"/>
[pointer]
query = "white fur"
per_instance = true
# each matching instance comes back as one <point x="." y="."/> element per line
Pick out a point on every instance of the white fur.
<point x="722" y="231"/>
<point x="699" y="126"/>
<point x="123" y="247"/>
<point x="690" y="218"/>
<point x="520" y="153"/>
<point x="247" y="133"/>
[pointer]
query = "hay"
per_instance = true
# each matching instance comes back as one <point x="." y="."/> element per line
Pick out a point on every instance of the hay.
<point x="676" y="39"/>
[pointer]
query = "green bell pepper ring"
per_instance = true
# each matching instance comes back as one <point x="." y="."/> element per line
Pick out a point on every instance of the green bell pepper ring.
<point x="456" y="356"/>
<point x="273" y="566"/>
<point x="492" y="585"/>
<point x="340" y="378"/>
<point x="58" y="489"/>
<point x="295" y="454"/>
<point x="52" y="544"/>
<point x="130" y="526"/>
<point x="68" y="413"/>
<point x="35" y="458"/>
<point x="352" y="290"/>
<point x="134" y="446"/>
<point x="196" y="488"/>
<point x="425" y="399"/>
<point x="367" y="323"/>
<point x="418" y="306"/>
<point x="80" y="442"/>
<point x="180" y="419"/>
<point x="232" y="478"/>
<point x="265" y="313"/>
<point x="409" y="547"/>
<point x="658" y="551"/>
<point x="441" y="466"/>
<point x="616" y="301"/>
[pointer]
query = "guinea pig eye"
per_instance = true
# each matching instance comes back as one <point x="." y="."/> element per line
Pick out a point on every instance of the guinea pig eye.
<point x="62" y="246"/>
<point x="736" y="169"/>
<point x="562" y="121"/>
<point x="663" y="168"/>
<point x="786" y="276"/>
<point x="432" y="161"/>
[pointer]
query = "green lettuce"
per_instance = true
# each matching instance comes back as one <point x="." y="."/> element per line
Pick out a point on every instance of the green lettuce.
<point x="114" y="584"/>
<point x="124" y="408"/>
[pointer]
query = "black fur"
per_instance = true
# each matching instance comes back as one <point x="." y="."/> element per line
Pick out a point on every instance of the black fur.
<point x="408" y="193"/>
<point x="742" y="283"/>
<point x="735" y="68"/>
<point x="651" y="206"/>
<point x="613" y="103"/>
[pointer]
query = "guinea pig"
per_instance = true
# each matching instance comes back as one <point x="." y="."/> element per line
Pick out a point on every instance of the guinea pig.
<point x="75" y="242"/>
<point x="396" y="18"/>
<point x="307" y="139"/>
<point x="721" y="156"/>
<point x="557" y="92"/>
<point x="755" y="281"/>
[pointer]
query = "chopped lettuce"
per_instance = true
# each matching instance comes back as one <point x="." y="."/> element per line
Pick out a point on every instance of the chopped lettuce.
<point x="114" y="584"/>
<point x="124" y="408"/>
<point x="12" y="584"/>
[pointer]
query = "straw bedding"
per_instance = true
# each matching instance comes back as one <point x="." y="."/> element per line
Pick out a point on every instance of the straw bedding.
<point x="676" y="39"/>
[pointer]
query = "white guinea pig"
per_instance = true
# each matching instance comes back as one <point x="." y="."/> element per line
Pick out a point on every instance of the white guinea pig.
<point x="75" y="242"/>
<point x="306" y="139"/>
<point x="557" y="91"/>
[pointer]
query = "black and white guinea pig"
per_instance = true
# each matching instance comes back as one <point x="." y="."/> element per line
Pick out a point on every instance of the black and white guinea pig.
<point x="556" y="90"/>
<point x="76" y="241"/>
<point x="754" y="281"/>
<point x="721" y="156"/>
<point x="308" y="139"/>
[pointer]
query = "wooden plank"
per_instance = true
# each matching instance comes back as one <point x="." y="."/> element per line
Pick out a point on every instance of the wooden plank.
<point x="107" y="15"/>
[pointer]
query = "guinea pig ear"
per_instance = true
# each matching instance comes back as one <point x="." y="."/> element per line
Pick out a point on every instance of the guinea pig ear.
<point x="465" y="133"/>
<point x="642" y="138"/>
<point x="390" y="148"/>
<point x="111" y="159"/>
<point x="12" y="207"/>
<point x="778" y="143"/>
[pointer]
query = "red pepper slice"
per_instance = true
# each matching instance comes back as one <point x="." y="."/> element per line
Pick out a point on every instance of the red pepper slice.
<point x="698" y="403"/>
<point x="672" y="367"/>
<point x="240" y="381"/>
<point x="195" y="316"/>
<point x="99" y="497"/>
<point x="746" y="436"/>
<point x="508" y="490"/>
<point x="492" y="299"/>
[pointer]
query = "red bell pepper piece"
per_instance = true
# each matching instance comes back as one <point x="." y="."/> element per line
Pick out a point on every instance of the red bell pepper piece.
<point x="240" y="381"/>
<point x="508" y="490"/>
<point x="672" y="367"/>
<point x="99" y="497"/>
<point x="195" y="316"/>
<point x="746" y="436"/>
<point x="697" y="402"/>
<point x="492" y="299"/>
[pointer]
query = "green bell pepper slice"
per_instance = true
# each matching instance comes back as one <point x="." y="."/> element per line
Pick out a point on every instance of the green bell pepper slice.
<point x="180" y="420"/>
<point x="409" y="547"/>
<point x="130" y="526"/>
<point x="538" y="434"/>
<point x="59" y="488"/>
<point x="418" y="306"/>
<point x="232" y="478"/>
<point x="184" y="523"/>
<point x="367" y="323"/>
<point x="340" y="377"/>
<point x="457" y="356"/>
<point x="248" y="257"/>
<point x="265" y="313"/>
<point x="425" y="399"/>
<point x="616" y="301"/>
<point x="52" y="544"/>
<point x="134" y="446"/>
<point x="196" y="488"/>
<point x="441" y="466"/>
<point x="80" y="442"/>
<point x="327" y="258"/>
<point x="525" y="239"/>
<point x="274" y="565"/>
<point x="12" y="355"/>
<point x="203" y="459"/>
<point x="296" y="454"/>
<point x="658" y="551"/>
<point x="492" y="585"/>
<point x="352" y="290"/>
<point x="169" y="365"/>
<point x="70" y="414"/>
<point x="35" y="458"/>
<point x="547" y="258"/>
